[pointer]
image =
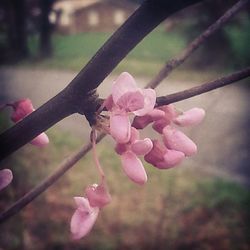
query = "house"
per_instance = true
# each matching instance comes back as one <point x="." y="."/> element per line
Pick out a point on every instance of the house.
<point x="75" y="16"/>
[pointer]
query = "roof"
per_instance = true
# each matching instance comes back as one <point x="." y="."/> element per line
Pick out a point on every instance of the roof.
<point x="71" y="6"/>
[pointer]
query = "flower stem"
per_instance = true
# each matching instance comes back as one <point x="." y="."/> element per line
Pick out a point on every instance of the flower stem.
<point x="96" y="160"/>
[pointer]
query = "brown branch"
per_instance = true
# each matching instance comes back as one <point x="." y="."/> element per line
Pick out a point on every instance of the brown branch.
<point x="196" y="43"/>
<point x="36" y="191"/>
<point x="218" y="83"/>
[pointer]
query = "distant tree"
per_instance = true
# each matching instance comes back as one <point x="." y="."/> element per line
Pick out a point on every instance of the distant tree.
<point x="15" y="28"/>
<point x="205" y="14"/>
<point x="45" y="28"/>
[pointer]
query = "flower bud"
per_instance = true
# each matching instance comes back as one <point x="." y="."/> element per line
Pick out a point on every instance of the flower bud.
<point x="191" y="117"/>
<point x="176" y="140"/>
<point x="98" y="195"/>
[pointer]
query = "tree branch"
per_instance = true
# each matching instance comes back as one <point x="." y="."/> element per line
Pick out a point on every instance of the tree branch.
<point x="196" y="43"/>
<point x="75" y="97"/>
<point x="218" y="83"/>
<point x="33" y="193"/>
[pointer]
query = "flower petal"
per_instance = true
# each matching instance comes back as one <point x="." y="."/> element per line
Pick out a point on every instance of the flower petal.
<point x="133" y="168"/>
<point x="123" y="84"/>
<point x="156" y="154"/>
<point x="131" y="101"/>
<point x="121" y="148"/>
<point x="21" y="109"/>
<point x="82" y="203"/>
<point x="135" y="135"/>
<point x="173" y="158"/>
<point x="156" y="114"/>
<point x="142" y="147"/>
<point x="98" y="195"/>
<point x="82" y="222"/>
<point x="159" y="125"/>
<point x="191" y="117"/>
<point x="149" y="102"/>
<point x="170" y="111"/>
<point x="120" y="127"/>
<point x="41" y="140"/>
<point x="175" y="139"/>
<point x="5" y="178"/>
<point x="108" y="102"/>
<point x="140" y="122"/>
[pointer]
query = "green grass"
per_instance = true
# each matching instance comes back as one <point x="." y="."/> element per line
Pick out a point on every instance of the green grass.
<point x="180" y="208"/>
<point x="74" y="51"/>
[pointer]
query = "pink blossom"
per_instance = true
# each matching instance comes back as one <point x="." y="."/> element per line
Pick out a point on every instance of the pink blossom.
<point x="160" y="116"/>
<point x="83" y="219"/>
<point x="176" y="140"/>
<point x="98" y="195"/>
<point x="41" y="140"/>
<point x="120" y="127"/>
<point x="5" y="178"/>
<point x="170" y="114"/>
<point x="133" y="168"/>
<point x="131" y="164"/>
<point x="20" y="110"/>
<point x="126" y="98"/>
<point x="141" y="122"/>
<point x="163" y="158"/>
<point x="191" y="117"/>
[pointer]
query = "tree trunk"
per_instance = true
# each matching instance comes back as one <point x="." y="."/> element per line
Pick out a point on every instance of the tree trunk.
<point x="16" y="28"/>
<point x="45" y="28"/>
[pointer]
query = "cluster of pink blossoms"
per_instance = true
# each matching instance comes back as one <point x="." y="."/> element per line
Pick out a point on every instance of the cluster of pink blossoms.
<point x="126" y="99"/>
<point x="20" y="109"/>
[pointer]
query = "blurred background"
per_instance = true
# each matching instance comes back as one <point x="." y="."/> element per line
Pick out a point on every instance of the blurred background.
<point x="201" y="204"/>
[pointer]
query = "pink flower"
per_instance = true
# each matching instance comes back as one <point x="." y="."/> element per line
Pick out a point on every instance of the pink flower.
<point x="83" y="219"/>
<point x="98" y="195"/>
<point x="126" y="98"/>
<point x="163" y="158"/>
<point x="191" y="117"/>
<point x="161" y="117"/>
<point x="176" y="140"/>
<point x="141" y="122"/>
<point x="170" y="114"/>
<point x="5" y="178"/>
<point x="21" y="109"/>
<point x="131" y="164"/>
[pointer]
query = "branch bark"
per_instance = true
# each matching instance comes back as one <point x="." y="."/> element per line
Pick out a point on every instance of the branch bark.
<point x="218" y="83"/>
<point x="196" y="43"/>
<point x="73" y="98"/>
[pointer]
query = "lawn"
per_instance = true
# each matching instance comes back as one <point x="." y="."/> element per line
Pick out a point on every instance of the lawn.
<point x="180" y="208"/>
<point x="74" y="51"/>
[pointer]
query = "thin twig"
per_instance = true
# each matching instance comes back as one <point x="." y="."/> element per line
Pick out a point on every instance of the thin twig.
<point x="36" y="191"/>
<point x="196" y="43"/>
<point x="218" y="83"/>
